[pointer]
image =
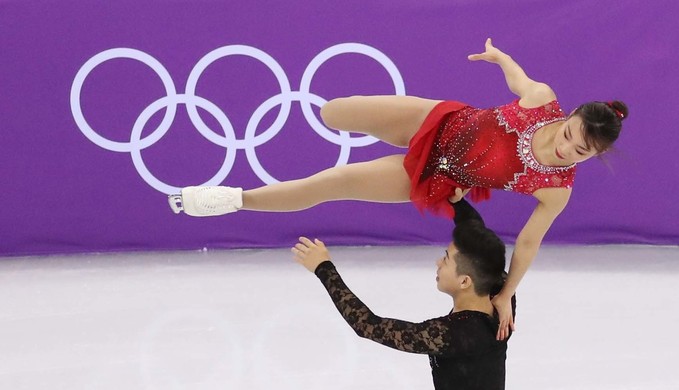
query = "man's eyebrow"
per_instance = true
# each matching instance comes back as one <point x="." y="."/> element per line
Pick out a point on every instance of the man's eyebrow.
<point x="447" y="255"/>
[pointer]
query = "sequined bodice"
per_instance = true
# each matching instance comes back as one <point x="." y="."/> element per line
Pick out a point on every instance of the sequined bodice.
<point x="491" y="148"/>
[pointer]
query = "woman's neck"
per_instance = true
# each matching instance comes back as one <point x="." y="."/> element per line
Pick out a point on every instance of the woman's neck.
<point x="543" y="145"/>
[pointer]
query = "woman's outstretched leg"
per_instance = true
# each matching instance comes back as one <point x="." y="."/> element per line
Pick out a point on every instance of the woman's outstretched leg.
<point x="392" y="119"/>
<point x="383" y="180"/>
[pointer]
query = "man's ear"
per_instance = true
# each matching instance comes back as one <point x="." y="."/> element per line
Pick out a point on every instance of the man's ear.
<point x="466" y="282"/>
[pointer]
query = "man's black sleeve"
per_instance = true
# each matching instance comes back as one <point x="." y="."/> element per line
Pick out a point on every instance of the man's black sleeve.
<point x="465" y="212"/>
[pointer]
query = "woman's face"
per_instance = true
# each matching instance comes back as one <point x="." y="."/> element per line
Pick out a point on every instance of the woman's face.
<point x="447" y="278"/>
<point x="569" y="143"/>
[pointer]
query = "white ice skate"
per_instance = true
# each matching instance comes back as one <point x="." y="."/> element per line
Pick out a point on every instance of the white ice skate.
<point x="207" y="201"/>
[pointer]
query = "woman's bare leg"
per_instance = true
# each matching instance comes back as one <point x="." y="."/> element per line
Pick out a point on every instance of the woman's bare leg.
<point x="393" y="119"/>
<point x="382" y="180"/>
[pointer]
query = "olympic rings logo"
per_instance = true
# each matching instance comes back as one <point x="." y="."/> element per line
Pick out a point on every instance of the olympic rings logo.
<point x="228" y="140"/>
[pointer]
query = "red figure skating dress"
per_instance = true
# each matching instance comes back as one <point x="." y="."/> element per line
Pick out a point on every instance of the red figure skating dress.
<point x="459" y="146"/>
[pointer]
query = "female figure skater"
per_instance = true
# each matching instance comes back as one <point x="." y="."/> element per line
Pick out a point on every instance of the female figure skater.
<point x="528" y="146"/>
<point x="462" y="346"/>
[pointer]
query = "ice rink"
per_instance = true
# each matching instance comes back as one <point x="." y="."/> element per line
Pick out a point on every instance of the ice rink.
<point x="595" y="317"/>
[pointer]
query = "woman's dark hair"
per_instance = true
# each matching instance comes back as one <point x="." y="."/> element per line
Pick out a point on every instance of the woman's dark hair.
<point x="481" y="255"/>
<point x="601" y="123"/>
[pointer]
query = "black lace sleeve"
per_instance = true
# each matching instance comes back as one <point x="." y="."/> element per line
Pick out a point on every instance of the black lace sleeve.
<point x="464" y="212"/>
<point x="428" y="337"/>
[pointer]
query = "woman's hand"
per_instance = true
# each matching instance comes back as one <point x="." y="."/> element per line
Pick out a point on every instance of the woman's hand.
<point x="310" y="253"/>
<point x="492" y="54"/>
<point x="458" y="195"/>
<point x="504" y="309"/>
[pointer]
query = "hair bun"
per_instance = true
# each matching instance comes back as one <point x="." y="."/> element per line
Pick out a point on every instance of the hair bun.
<point x="619" y="108"/>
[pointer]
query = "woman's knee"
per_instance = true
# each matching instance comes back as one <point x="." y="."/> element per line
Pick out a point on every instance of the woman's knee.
<point x="335" y="110"/>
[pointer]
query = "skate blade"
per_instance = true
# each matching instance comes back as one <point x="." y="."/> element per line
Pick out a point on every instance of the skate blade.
<point x="175" y="203"/>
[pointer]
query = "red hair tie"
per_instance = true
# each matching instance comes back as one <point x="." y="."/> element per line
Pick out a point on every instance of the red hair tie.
<point x="617" y="112"/>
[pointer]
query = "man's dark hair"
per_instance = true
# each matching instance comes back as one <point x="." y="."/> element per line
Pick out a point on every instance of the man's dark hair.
<point x="481" y="252"/>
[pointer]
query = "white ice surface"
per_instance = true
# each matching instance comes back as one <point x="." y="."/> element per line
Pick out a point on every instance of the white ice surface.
<point x="602" y="317"/>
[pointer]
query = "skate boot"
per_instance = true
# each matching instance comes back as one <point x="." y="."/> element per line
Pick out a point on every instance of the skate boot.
<point x="207" y="201"/>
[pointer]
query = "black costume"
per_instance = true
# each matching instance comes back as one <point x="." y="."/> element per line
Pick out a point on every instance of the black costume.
<point x="462" y="346"/>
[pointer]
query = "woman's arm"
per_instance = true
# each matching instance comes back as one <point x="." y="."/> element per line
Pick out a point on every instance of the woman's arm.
<point x="531" y="92"/>
<point x="551" y="202"/>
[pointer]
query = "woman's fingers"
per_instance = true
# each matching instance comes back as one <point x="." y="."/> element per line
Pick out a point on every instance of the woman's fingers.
<point x="502" y="332"/>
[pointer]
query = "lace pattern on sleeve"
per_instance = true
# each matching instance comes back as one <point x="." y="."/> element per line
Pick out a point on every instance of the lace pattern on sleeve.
<point x="428" y="337"/>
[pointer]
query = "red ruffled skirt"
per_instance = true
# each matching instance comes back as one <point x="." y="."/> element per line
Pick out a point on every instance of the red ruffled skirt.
<point x="431" y="192"/>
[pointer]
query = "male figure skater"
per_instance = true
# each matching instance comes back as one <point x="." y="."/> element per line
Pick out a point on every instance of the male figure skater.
<point x="463" y="350"/>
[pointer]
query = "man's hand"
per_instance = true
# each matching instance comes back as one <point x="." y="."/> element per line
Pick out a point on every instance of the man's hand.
<point x="492" y="54"/>
<point x="504" y="309"/>
<point x="459" y="194"/>
<point x="310" y="253"/>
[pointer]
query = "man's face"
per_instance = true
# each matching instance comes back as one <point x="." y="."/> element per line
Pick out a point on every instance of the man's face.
<point x="447" y="278"/>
